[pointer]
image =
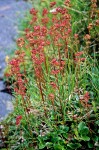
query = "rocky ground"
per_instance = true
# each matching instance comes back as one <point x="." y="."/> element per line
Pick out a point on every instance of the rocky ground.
<point x="11" y="11"/>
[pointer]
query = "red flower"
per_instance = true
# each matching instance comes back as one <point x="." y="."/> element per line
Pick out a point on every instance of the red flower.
<point x="76" y="36"/>
<point x="51" y="96"/>
<point x="67" y="3"/>
<point x="86" y="96"/>
<point x="20" y="42"/>
<point x="38" y="72"/>
<point x="52" y="4"/>
<point x="82" y="59"/>
<point x="78" y="54"/>
<point x="54" y="62"/>
<point x="18" y="120"/>
<point x="53" y="84"/>
<point x="79" y="60"/>
<point x="87" y="37"/>
<point x="45" y="20"/>
<point x="55" y="72"/>
<point x="33" y="11"/>
<point x="45" y="12"/>
<point x="62" y="63"/>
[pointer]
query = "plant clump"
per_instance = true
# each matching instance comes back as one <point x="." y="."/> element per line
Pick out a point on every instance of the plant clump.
<point x="54" y="82"/>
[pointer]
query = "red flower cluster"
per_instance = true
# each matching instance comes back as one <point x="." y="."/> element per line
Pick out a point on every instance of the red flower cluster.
<point x="20" y="80"/>
<point x="20" y="88"/>
<point x="57" y="66"/>
<point x="51" y="96"/>
<point x="15" y="66"/>
<point x="45" y="12"/>
<point x="38" y="37"/>
<point x="78" y="54"/>
<point x="33" y="11"/>
<point x="52" y="4"/>
<point x="20" y="42"/>
<point x="53" y="84"/>
<point x="18" y="120"/>
<point x="86" y="97"/>
<point x="67" y="3"/>
<point x="78" y="57"/>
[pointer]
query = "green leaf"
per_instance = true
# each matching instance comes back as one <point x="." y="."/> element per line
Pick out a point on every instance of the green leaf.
<point x="85" y="138"/>
<point x="97" y="122"/>
<point x="41" y="143"/>
<point x="96" y="138"/>
<point x="65" y="135"/>
<point x="41" y="146"/>
<point x="84" y="131"/>
<point x="82" y="128"/>
<point x="74" y="145"/>
<point x="64" y="128"/>
<point x="49" y="144"/>
<point x="90" y="144"/>
<point x="58" y="147"/>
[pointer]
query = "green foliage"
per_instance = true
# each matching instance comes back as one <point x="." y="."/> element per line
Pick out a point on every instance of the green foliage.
<point x="83" y="130"/>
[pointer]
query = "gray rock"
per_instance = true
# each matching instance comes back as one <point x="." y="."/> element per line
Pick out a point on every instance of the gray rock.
<point x="2" y="55"/>
<point x="2" y="63"/>
<point x="2" y="72"/>
<point x="1" y="75"/>
<point x="11" y="12"/>
<point x="2" y="86"/>
<point x="6" y="105"/>
<point x="1" y="136"/>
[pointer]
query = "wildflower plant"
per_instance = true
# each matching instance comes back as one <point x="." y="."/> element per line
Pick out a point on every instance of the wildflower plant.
<point x="50" y="73"/>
